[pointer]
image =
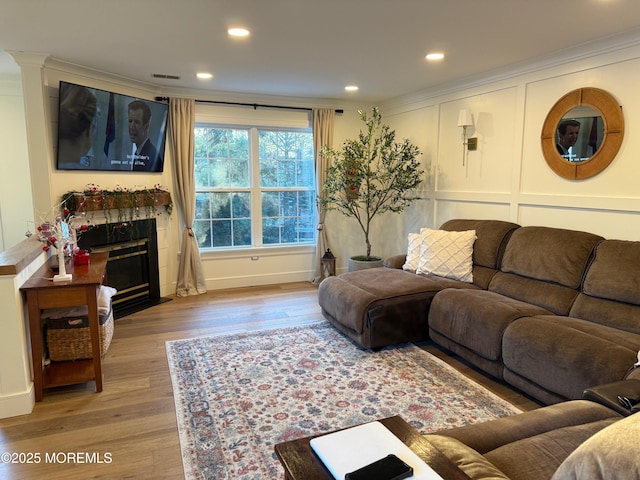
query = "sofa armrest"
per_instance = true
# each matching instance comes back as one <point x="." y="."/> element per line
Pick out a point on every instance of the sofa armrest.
<point x="608" y="393"/>
<point x="487" y="436"/>
<point x="397" y="261"/>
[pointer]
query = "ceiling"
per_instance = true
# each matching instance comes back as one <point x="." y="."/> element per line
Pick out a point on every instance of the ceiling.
<point x="307" y="48"/>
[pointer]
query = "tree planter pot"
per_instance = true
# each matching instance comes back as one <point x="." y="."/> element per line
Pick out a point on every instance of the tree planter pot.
<point x="359" y="263"/>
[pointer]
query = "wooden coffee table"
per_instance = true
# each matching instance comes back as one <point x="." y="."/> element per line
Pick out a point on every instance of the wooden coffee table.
<point x="301" y="463"/>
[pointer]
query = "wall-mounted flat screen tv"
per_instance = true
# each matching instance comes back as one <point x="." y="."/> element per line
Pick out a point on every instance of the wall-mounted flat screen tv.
<point x="101" y="130"/>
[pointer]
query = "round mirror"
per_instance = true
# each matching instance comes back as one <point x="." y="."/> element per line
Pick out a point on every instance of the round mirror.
<point x="582" y="133"/>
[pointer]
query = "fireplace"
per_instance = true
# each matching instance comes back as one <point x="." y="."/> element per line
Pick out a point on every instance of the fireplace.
<point x="132" y="268"/>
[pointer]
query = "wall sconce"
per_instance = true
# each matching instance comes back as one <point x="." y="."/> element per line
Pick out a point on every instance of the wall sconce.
<point x="328" y="264"/>
<point x="464" y="121"/>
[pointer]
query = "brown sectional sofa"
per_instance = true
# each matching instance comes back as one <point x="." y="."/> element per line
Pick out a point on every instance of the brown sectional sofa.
<point x="386" y="306"/>
<point x="573" y="440"/>
<point x="599" y="338"/>
<point x="551" y="311"/>
<point x="587" y="439"/>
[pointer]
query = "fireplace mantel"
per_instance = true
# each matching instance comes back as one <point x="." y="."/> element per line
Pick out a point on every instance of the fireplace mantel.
<point x="91" y="202"/>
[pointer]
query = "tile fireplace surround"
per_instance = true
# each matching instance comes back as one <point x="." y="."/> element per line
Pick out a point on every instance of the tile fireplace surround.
<point x="132" y="268"/>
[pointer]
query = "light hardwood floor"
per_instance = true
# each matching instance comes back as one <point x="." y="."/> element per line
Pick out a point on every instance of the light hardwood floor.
<point x="131" y="425"/>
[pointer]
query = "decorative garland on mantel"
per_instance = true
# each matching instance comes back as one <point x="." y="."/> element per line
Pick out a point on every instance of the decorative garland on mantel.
<point x="130" y="204"/>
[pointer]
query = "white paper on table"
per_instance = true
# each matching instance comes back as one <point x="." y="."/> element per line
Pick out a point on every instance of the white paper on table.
<point x="353" y="448"/>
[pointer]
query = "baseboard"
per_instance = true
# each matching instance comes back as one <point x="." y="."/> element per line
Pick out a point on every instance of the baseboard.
<point x="255" y="280"/>
<point x="17" y="404"/>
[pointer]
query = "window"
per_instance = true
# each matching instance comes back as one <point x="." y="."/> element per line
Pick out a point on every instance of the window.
<point x="254" y="187"/>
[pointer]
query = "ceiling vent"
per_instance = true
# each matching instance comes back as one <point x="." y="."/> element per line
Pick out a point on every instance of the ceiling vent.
<point x="165" y="76"/>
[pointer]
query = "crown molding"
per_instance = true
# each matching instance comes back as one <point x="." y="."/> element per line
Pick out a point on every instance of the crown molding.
<point x="573" y="56"/>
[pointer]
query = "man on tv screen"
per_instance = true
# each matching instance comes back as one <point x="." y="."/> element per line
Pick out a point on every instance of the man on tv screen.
<point x="145" y="156"/>
<point x="77" y="126"/>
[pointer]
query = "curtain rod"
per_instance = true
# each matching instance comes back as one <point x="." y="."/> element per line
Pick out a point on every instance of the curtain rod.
<point x="254" y="105"/>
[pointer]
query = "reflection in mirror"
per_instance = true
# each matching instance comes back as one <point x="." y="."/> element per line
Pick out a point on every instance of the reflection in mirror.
<point x="579" y="134"/>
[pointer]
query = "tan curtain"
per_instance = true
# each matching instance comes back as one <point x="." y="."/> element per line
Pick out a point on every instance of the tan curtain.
<point x="322" y="136"/>
<point x="181" y="127"/>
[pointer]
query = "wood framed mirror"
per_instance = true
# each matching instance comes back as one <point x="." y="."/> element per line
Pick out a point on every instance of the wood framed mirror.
<point x="582" y="133"/>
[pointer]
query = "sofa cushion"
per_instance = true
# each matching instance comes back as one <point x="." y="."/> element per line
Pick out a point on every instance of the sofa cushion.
<point x="611" y="291"/>
<point x="466" y="459"/>
<point x="540" y="456"/>
<point x="530" y="445"/>
<point x="623" y="316"/>
<point x="487" y="436"/>
<point x="447" y="254"/>
<point x="544" y="266"/>
<point x="549" y="254"/>
<point x="614" y="273"/>
<point x="476" y="319"/>
<point x="492" y="238"/>
<point x="566" y="355"/>
<point x="610" y="454"/>
<point x="555" y="298"/>
<point x="412" y="259"/>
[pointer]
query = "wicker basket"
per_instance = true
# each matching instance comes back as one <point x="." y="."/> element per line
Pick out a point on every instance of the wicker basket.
<point x="69" y="338"/>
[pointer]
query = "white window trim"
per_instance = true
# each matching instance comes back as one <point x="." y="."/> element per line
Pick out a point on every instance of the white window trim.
<point x="284" y="122"/>
<point x="232" y="253"/>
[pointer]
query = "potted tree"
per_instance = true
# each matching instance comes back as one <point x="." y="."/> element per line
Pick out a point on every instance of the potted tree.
<point x="371" y="175"/>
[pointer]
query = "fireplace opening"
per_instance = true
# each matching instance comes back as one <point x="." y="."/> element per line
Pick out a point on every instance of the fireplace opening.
<point x="132" y="267"/>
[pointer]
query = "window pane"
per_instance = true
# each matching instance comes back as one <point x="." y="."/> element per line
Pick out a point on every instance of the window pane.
<point x="286" y="158"/>
<point x="242" y="232"/>
<point x="221" y="205"/>
<point x="238" y="173"/>
<point x="287" y="217"/>
<point x="202" y="231"/>
<point x="241" y="205"/>
<point x="270" y="204"/>
<point x="222" y="157"/>
<point x="270" y="231"/>
<point x="223" y="219"/>
<point x="222" y="233"/>
<point x="203" y="205"/>
<point x="289" y="203"/>
<point x="202" y="172"/>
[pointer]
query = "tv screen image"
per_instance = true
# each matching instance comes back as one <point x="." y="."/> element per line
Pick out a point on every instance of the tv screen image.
<point x="101" y="130"/>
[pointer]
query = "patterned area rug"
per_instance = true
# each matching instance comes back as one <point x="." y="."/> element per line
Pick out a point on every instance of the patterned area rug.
<point x="238" y="395"/>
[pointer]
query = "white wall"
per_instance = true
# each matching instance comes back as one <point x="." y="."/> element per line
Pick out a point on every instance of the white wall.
<point x="17" y="396"/>
<point x="41" y="76"/>
<point x="507" y="177"/>
<point x="40" y="83"/>
<point x="64" y="181"/>
<point x="16" y="205"/>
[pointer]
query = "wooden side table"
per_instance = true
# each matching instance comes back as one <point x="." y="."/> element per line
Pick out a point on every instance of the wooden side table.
<point x="301" y="463"/>
<point x="42" y="293"/>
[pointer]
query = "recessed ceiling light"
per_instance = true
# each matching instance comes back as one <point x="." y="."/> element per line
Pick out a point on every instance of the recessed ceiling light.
<point x="435" y="56"/>
<point x="238" y="32"/>
<point x="204" y="75"/>
<point x="351" y="88"/>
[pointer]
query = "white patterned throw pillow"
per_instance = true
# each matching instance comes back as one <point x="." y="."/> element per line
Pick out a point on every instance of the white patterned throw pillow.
<point x="447" y="254"/>
<point x="413" y="252"/>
